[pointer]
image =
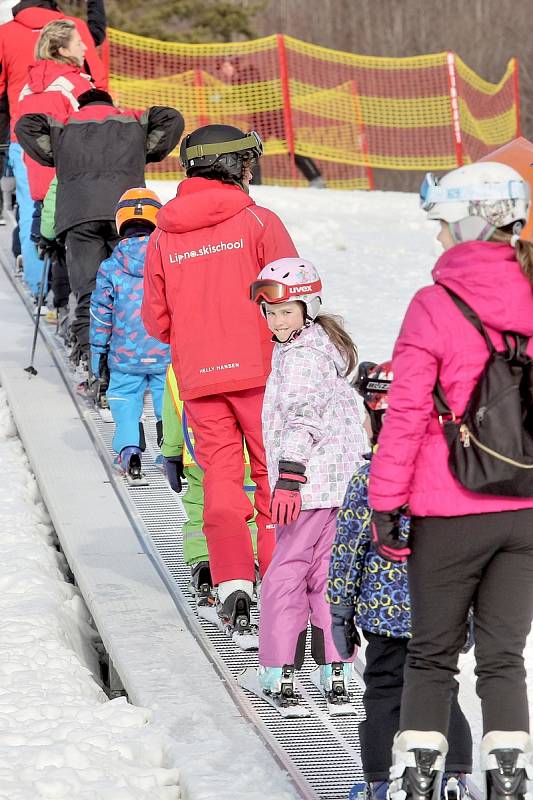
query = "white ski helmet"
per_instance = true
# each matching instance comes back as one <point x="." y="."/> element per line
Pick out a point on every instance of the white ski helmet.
<point x="476" y="199"/>
<point x="286" y="280"/>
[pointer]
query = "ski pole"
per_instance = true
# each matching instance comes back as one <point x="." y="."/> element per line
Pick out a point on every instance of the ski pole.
<point x="44" y="283"/>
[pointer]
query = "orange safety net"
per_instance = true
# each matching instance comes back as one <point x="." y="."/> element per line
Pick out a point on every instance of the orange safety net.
<point x="321" y="111"/>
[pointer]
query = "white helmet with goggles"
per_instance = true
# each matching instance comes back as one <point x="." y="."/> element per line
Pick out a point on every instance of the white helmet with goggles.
<point x="476" y="199"/>
<point x="287" y="280"/>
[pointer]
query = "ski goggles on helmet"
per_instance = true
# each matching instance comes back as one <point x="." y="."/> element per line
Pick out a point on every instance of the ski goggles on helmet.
<point x="251" y="143"/>
<point x="432" y="192"/>
<point x="372" y="382"/>
<point x="269" y="291"/>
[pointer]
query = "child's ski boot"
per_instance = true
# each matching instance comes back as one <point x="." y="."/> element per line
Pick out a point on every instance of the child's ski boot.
<point x="202" y="583"/>
<point x="417" y="765"/>
<point x="507" y="760"/>
<point x="129" y="463"/>
<point x="454" y="786"/>
<point x="278" y="683"/>
<point x="274" y="685"/>
<point x="332" y="681"/>
<point x="234" y="615"/>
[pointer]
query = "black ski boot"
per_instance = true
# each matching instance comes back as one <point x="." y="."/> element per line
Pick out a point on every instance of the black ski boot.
<point x="506" y="758"/>
<point x="234" y="612"/>
<point x="418" y="765"/>
<point x="202" y="583"/>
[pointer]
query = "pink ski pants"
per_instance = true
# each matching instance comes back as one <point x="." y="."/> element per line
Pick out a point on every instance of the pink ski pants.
<point x="293" y="592"/>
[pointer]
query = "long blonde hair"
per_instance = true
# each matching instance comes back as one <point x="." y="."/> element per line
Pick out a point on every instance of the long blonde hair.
<point x="334" y="327"/>
<point x="53" y="37"/>
<point x="524" y="249"/>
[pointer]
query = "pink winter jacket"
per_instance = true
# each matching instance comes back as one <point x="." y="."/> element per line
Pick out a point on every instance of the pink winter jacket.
<point x="310" y="415"/>
<point x="411" y="462"/>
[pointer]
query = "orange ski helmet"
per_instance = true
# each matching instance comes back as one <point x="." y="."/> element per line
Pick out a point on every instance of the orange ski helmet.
<point x="137" y="204"/>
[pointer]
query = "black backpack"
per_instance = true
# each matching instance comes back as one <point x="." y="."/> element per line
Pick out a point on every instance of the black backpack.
<point x="491" y="446"/>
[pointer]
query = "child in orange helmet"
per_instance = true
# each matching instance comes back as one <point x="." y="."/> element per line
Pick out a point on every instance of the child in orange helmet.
<point x="136" y="361"/>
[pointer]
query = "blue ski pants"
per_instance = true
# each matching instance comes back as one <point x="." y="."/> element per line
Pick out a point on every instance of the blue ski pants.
<point x="125" y="396"/>
<point x="33" y="266"/>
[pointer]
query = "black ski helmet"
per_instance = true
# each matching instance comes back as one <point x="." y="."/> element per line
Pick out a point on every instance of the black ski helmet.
<point x="219" y="149"/>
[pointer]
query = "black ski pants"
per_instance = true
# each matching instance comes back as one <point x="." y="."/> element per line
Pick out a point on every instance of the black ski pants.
<point x="87" y="245"/>
<point x="480" y="559"/>
<point x="59" y="282"/>
<point x="385" y="660"/>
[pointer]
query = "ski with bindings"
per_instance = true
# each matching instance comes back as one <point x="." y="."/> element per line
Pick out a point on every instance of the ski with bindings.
<point x="337" y="697"/>
<point x="286" y="702"/>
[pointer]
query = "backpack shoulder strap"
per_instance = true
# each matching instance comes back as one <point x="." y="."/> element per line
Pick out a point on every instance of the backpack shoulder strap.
<point x="470" y="315"/>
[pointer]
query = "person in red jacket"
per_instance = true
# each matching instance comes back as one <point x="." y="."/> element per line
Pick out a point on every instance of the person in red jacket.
<point x="17" y="45"/>
<point x="210" y="242"/>
<point x="55" y="81"/>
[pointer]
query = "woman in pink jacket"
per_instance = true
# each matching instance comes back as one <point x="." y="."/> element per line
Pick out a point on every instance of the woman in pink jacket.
<point x="466" y="548"/>
<point x="313" y="441"/>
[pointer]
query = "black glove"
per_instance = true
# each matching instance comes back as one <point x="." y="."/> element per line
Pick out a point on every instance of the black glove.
<point x="385" y="527"/>
<point x="345" y="634"/>
<point x="46" y="247"/>
<point x="175" y="473"/>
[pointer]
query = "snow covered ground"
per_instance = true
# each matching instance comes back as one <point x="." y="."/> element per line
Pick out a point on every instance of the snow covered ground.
<point x="59" y="735"/>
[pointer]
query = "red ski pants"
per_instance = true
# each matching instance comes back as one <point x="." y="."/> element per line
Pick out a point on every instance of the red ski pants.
<point x="219" y="423"/>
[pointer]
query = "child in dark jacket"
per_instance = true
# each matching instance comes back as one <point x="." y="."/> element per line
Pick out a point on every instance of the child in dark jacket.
<point x="366" y="590"/>
<point x="136" y="361"/>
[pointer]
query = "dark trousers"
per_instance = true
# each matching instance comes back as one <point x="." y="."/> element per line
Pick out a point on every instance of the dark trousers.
<point x="59" y="282"/>
<point x="480" y="559"/>
<point x="385" y="660"/>
<point x="87" y="245"/>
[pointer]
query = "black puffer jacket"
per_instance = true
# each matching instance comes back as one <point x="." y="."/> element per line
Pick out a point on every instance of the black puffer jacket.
<point x="98" y="154"/>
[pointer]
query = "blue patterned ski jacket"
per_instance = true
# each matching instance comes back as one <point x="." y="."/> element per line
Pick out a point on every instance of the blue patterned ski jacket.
<point x="358" y="576"/>
<point x="116" y="324"/>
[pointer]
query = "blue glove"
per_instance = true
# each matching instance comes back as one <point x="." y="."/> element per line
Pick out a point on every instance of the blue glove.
<point x="345" y="634"/>
<point x="175" y="473"/>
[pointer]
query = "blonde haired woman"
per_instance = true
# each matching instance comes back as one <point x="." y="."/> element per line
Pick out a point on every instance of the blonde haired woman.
<point x="55" y="81"/>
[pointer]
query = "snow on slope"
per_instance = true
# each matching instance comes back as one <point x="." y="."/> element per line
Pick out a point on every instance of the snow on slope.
<point x="60" y="737"/>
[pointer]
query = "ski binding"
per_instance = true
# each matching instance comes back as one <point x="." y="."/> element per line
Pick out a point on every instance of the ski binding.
<point x="286" y="702"/>
<point x="337" y="698"/>
<point x="244" y="637"/>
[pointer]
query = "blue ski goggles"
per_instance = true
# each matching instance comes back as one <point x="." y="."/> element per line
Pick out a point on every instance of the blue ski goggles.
<point x="431" y="192"/>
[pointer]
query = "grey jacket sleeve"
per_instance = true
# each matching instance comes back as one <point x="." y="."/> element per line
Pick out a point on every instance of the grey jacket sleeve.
<point x="164" y="126"/>
<point x="33" y="133"/>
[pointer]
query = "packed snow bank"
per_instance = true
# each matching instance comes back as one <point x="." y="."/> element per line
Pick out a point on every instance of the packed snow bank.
<point x="60" y="736"/>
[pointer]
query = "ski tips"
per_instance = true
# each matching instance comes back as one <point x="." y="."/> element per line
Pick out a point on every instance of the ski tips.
<point x="31" y="370"/>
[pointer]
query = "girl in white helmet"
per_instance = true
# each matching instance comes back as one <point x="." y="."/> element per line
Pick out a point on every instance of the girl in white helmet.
<point x="313" y="440"/>
<point x="467" y="548"/>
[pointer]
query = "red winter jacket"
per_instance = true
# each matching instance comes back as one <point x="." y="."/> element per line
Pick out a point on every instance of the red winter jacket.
<point x="52" y="89"/>
<point x="17" y="45"/>
<point x="210" y="244"/>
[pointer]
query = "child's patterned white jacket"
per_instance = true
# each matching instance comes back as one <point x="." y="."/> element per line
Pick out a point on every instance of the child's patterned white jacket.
<point x="310" y="415"/>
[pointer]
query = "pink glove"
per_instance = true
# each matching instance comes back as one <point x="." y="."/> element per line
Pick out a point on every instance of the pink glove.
<point x="286" y="502"/>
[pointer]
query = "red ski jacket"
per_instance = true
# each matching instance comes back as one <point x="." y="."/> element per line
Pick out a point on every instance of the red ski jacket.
<point x="52" y="89"/>
<point x="211" y="242"/>
<point x="17" y="44"/>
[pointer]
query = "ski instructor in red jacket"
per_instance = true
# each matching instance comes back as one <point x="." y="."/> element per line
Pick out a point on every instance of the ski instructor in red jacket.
<point x="210" y="243"/>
